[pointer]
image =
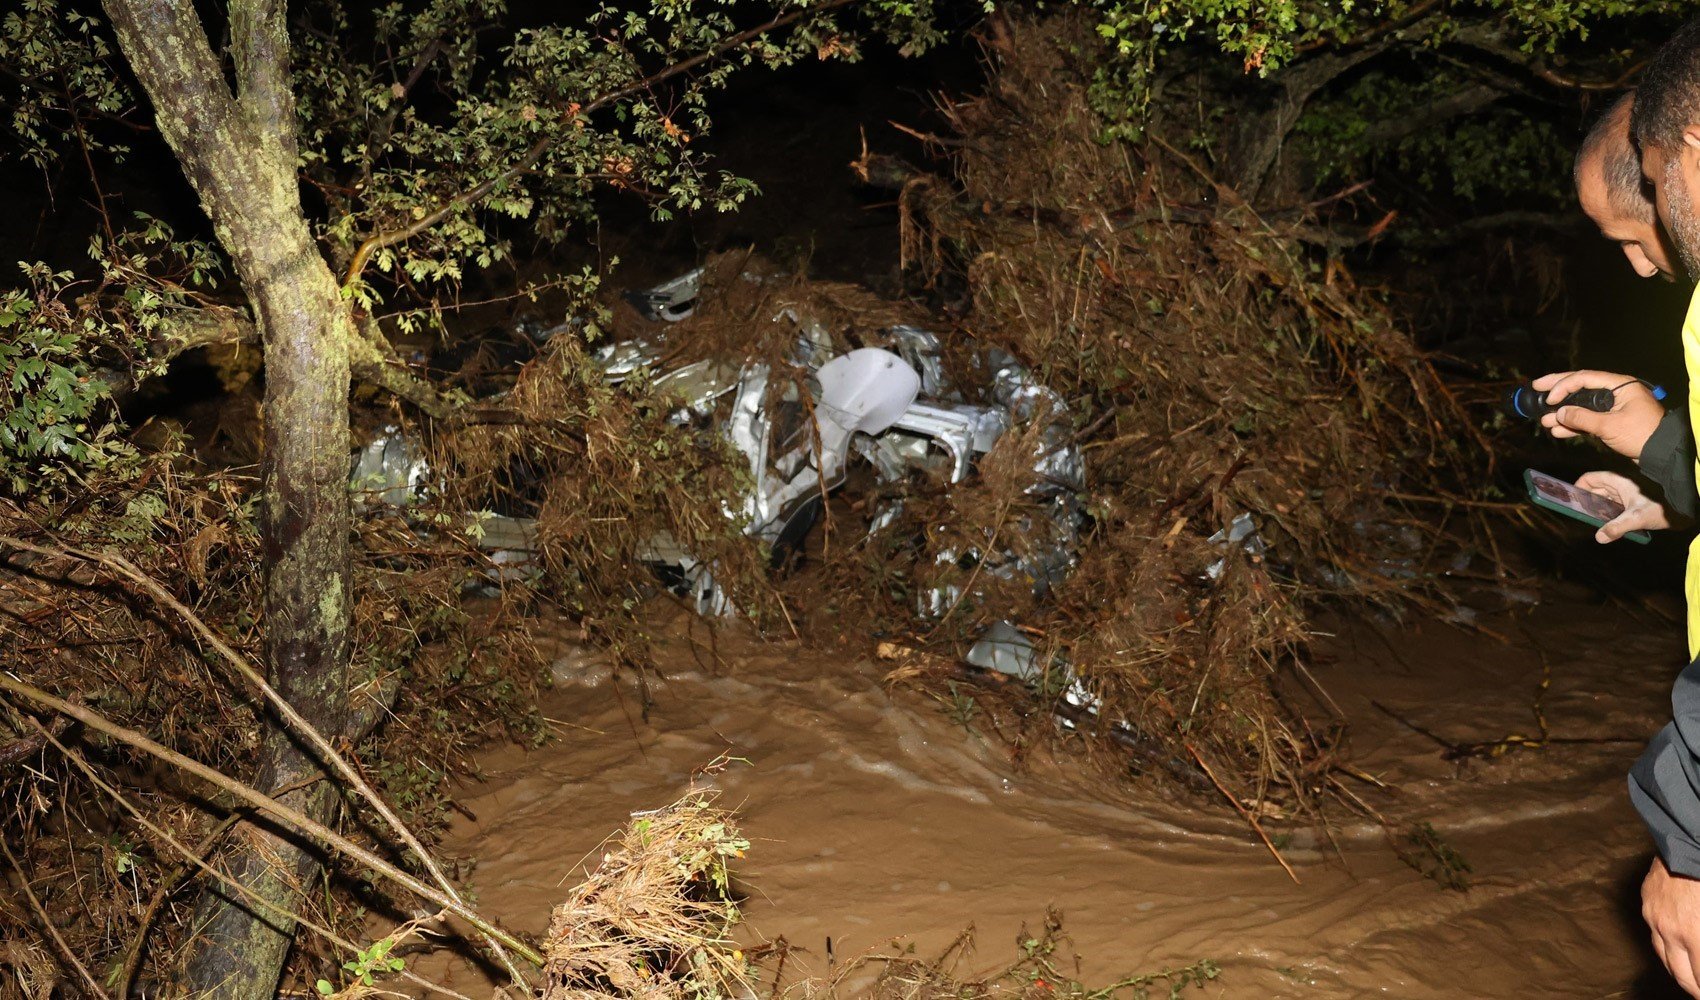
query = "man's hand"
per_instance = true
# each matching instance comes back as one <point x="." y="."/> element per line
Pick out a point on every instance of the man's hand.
<point x="1671" y="906"/>
<point x="1640" y="511"/>
<point x="1625" y="430"/>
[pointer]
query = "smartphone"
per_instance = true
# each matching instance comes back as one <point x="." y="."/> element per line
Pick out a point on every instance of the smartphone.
<point x="1573" y="501"/>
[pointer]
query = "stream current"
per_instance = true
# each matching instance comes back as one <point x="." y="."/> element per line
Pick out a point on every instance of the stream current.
<point x="875" y="818"/>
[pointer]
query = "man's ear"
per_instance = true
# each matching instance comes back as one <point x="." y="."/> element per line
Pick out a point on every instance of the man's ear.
<point x="1691" y="137"/>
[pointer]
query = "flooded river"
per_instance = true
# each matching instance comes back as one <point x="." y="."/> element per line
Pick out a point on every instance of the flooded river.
<point x="875" y="818"/>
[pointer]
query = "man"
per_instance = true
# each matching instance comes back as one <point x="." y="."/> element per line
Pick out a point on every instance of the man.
<point x="1665" y="783"/>
<point x="1615" y="197"/>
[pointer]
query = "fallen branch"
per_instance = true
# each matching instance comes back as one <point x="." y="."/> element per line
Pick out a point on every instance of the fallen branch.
<point x="58" y="939"/>
<point x="1244" y="812"/>
<point x="248" y="895"/>
<point x="284" y="814"/>
<point x="296" y="723"/>
<point x="167" y="885"/>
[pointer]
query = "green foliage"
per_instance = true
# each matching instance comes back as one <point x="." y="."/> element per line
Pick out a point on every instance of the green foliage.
<point x="49" y="393"/>
<point x="1376" y="122"/>
<point x="374" y="960"/>
<point x="1039" y="971"/>
<point x="525" y="126"/>
<point x="58" y="80"/>
<point x="1268" y="35"/>
<point x="1393" y="62"/>
<point x="63" y="341"/>
<point x="433" y="131"/>
<point x="1424" y="849"/>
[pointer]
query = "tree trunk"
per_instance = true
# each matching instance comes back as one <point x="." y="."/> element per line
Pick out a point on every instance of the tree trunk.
<point x="238" y="150"/>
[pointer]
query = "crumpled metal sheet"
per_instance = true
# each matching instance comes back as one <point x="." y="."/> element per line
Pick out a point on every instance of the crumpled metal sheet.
<point x="940" y="429"/>
<point x="1017" y="400"/>
<point x="1241" y="531"/>
<point x="1006" y="649"/>
<point x="390" y="470"/>
<point x="1059" y="460"/>
<point x="798" y="448"/>
<point x="670" y="301"/>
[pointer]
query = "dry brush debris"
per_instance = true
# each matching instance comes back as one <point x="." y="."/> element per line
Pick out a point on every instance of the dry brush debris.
<point x="1253" y="421"/>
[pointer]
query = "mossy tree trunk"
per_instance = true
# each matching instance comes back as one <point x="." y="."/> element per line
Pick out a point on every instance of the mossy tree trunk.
<point x="237" y="146"/>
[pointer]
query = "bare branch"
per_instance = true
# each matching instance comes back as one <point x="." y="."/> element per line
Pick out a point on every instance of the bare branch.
<point x="1558" y="79"/>
<point x="1491" y="39"/>
<point x="292" y="818"/>
<point x="194" y="857"/>
<point x="1411" y="18"/>
<point x="1260" y="137"/>
<point x="297" y="723"/>
<point x="373" y="361"/>
<point x="1464" y="102"/>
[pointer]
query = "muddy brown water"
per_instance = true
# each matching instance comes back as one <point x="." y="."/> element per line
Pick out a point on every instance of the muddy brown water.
<point x="877" y="819"/>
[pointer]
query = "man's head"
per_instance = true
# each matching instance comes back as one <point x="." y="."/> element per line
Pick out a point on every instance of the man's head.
<point x="1613" y="194"/>
<point x="1666" y="125"/>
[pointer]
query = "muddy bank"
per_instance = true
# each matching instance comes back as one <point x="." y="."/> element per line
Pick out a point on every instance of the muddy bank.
<point x="878" y="816"/>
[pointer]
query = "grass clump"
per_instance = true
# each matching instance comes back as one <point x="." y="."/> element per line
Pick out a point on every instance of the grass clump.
<point x="653" y="921"/>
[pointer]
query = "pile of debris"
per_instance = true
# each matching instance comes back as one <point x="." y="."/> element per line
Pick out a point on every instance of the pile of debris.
<point x="879" y="401"/>
<point x="1254" y="421"/>
<point x="1125" y="469"/>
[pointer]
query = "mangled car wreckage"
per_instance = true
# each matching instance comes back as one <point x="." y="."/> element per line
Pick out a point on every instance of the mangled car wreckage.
<point x="802" y="425"/>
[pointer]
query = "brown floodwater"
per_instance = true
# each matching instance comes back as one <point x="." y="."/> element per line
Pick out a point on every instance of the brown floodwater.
<point x="875" y="818"/>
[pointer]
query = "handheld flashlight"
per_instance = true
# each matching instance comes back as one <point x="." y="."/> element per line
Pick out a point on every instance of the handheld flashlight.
<point x="1531" y="404"/>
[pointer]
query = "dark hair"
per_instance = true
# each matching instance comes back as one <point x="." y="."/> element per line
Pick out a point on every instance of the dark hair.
<point x="1620" y="161"/>
<point x="1668" y="98"/>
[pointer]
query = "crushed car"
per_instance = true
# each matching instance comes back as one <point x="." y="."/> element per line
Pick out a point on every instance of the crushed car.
<point x="891" y="409"/>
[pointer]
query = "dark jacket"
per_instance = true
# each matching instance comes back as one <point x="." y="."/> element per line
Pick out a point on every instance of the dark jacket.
<point x="1668" y="460"/>
<point x="1664" y="784"/>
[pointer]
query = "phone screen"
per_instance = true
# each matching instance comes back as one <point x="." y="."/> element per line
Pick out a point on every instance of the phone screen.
<point x="1567" y="498"/>
<point x="1598" y="508"/>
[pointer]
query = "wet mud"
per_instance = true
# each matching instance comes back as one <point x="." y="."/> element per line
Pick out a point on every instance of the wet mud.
<point x="875" y="818"/>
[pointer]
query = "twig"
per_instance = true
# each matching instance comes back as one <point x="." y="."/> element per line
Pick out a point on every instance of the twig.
<point x="1558" y="79"/>
<point x="167" y="885"/>
<point x="291" y="817"/>
<point x="246" y="893"/>
<point x="296" y="722"/>
<point x="1447" y="744"/>
<point x="65" y="951"/>
<point x="1243" y="811"/>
